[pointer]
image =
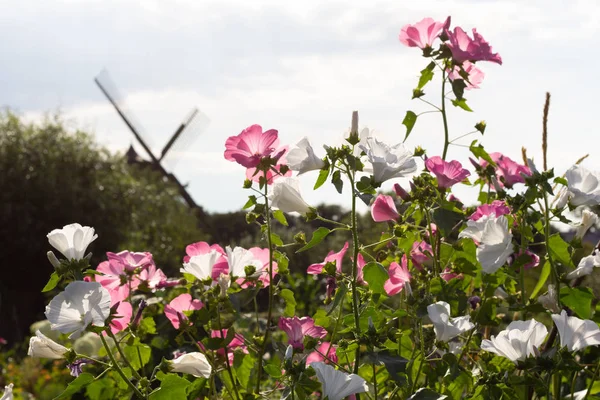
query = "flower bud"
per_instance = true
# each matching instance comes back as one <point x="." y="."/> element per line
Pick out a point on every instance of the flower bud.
<point x="224" y="281"/>
<point x="400" y="192"/>
<point x="53" y="260"/>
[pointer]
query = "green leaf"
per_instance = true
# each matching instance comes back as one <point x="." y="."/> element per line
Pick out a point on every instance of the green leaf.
<point x="578" y="299"/>
<point x="426" y="75"/>
<point x="251" y="201"/>
<point x="323" y="174"/>
<point x="544" y="274"/>
<point x="559" y="250"/>
<point x="280" y="217"/>
<point x="273" y="370"/>
<point x="172" y="387"/>
<point x="76" y="385"/>
<point x="479" y="152"/>
<point x="462" y="103"/>
<point x="458" y="88"/>
<point x="243" y="365"/>
<point x="317" y="238"/>
<point x="54" y="279"/>
<point x="339" y="296"/>
<point x="409" y="121"/>
<point x="561" y="180"/>
<point x="138" y="355"/>
<point x="375" y="275"/>
<point x="290" y="302"/>
<point x="276" y="240"/>
<point x="446" y="220"/>
<point x="337" y="181"/>
<point x="426" y="394"/>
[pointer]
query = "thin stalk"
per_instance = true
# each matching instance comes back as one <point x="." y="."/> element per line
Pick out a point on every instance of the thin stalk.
<point x="270" y="309"/>
<point x="547" y="236"/>
<point x="135" y="373"/>
<point x="330" y="221"/>
<point x="237" y="395"/>
<point x="589" y="389"/>
<point x="444" y="119"/>
<point x="375" y="380"/>
<point x="116" y="367"/>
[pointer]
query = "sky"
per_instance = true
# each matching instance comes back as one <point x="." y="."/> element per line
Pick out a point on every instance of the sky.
<point x="300" y="68"/>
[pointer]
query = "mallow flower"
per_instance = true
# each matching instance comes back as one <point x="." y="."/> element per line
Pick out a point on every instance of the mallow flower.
<point x="302" y="158"/>
<point x="8" y="393"/>
<point x="588" y="219"/>
<point x="399" y="277"/>
<point x="195" y="364"/>
<point x="423" y="33"/>
<point x="493" y="239"/>
<point x="285" y="196"/>
<point x="576" y="333"/>
<point x="297" y="328"/>
<point x="586" y="266"/>
<point x="583" y="187"/>
<point x="315" y="269"/>
<point x="239" y="258"/>
<point x="384" y="209"/>
<point x="251" y="145"/>
<point x="464" y="48"/>
<point x="509" y="172"/>
<point x="79" y="305"/>
<point x="447" y="173"/>
<point x="445" y="327"/>
<point x="209" y="265"/>
<point x="518" y="341"/>
<point x="72" y="240"/>
<point x="387" y="162"/>
<point x="174" y="311"/>
<point x="496" y="207"/>
<point x="324" y="352"/>
<point x="131" y="260"/>
<point x="41" y="346"/>
<point x="475" y="75"/>
<point x="338" y="385"/>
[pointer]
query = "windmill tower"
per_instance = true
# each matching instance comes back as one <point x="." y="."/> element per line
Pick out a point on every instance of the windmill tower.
<point x="187" y="132"/>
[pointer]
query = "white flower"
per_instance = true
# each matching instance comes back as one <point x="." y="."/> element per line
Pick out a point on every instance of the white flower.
<point x="577" y="395"/>
<point x="583" y="186"/>
<point x="387" y="162"/>
<point x="192" y="363"/>
<point x="338" y="385"/>
<point x="576" y="333"/>
<point x="550" y="299"/>
<point x="494" y="241"/>
<point x="239" y="258"/>
<point x="201" y="266"/>
<point x="45" y="327"/>
<point x="41" y="346"/>
<point x="588" y="219"/>
<point x="518" y="341"/>
<point x="8" y="393"/>
<point x="72" y="240"/>
<point x="447" y="328"/>
<point x="302" y="158"/>
<point x="285" y="195"/>
<point x="586" y="266"/>
<point x="81" y="303"/>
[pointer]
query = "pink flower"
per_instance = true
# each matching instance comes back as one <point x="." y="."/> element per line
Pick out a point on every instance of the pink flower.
<point x="447" y="173"/>
<point x="508" y="171"/>
<point x="447" y="274"/>
<point x="153" y="277"/>
<point x="400" y="192"/>
<point x="115" y="279"/>
<point x="174" y="310"/>
<point x="534" y="259"/>
<point x="423" y="33"/>
<point x="324" y="349"/>
<point x="475" y="75"/>
<point x="399" y="277"/>
<point x="497" y="207"/>
<point x="261" y="255"/>
<point x="296" y="328"/>
<point x="360" y="264"/>
<point x="273" y="173"/>
<point x="236" y="343"/>
<point x="122" y="318"/>
<point x="316" y="269"/>
<point x="251" y="145"/>
<point x="130" y="260"/>
<point x="384" y="209"/>
<point x="464" y="48"/>
<point x="200" y="248"/>
<point x="420" y="253"/>
<point x="434" y="231"/>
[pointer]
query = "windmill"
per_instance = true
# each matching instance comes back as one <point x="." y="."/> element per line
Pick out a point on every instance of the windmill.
<point x="187" y="132"/>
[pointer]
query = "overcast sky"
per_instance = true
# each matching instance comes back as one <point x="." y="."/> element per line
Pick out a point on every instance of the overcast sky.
<point x="300" y="68"/>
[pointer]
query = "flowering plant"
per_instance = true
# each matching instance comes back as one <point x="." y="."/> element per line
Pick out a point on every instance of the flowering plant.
<point x="452" y="301"/>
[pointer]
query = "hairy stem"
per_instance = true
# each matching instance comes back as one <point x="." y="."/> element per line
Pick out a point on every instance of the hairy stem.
<point x="117" y="368"/>
<point x="444" y="118"/>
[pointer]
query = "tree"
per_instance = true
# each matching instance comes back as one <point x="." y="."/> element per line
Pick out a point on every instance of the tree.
<point x="50" y="177"/>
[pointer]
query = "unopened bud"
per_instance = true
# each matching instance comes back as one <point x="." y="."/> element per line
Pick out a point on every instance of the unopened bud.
<point x="138" y="315"/>
<point x="53" y="260"/>
<point x="480" y="126"/>
<point x="353" y="138"/>
<point x="289" y="352"/>
<point x="400" y="192"/>
<point x="224" y="281"/>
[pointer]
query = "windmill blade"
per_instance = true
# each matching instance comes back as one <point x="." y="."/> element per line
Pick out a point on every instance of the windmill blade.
<point x="107" y="86"/>
<point x="188" y="132"/>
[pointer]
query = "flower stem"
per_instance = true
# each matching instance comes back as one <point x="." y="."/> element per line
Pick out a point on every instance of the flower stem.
<point x="116" y="366"/>
<point x="356" y="249"/>
<point x="589" y="389"/>
<point x="444" y="118"/>
<point x="270" y="309"/>
<point x="237" y="395"/>
<point x="549" y="255"/>
<point x="135" y="373"/>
